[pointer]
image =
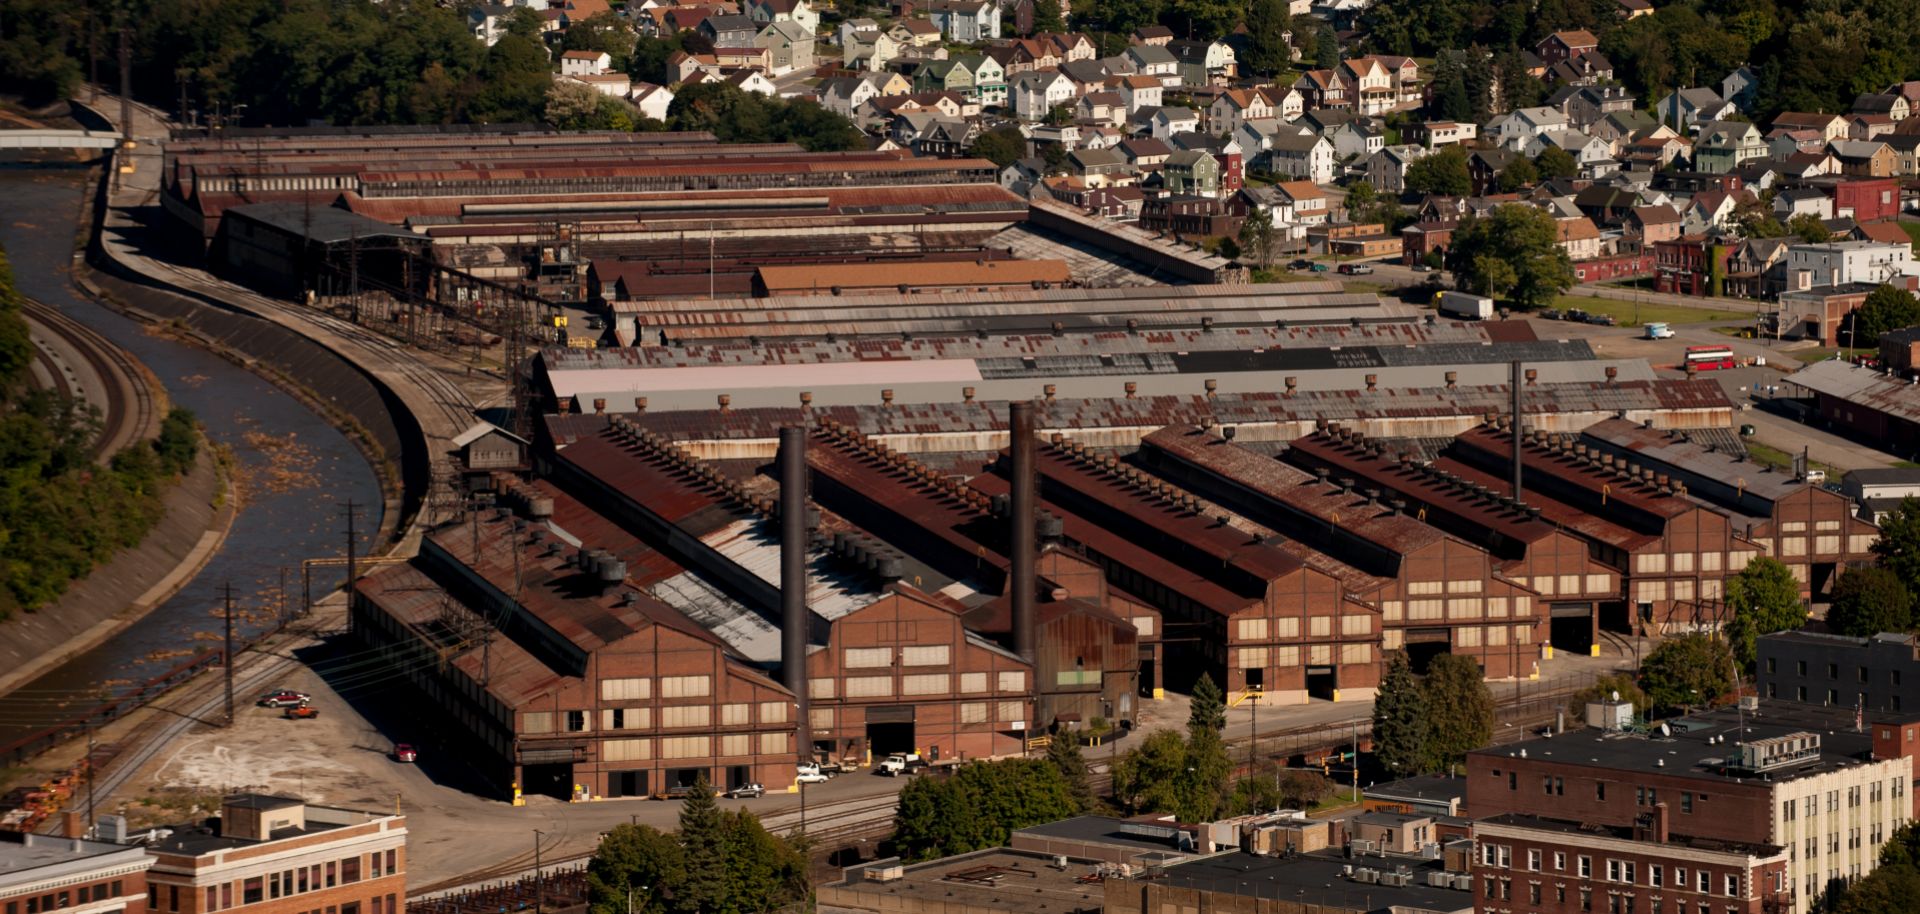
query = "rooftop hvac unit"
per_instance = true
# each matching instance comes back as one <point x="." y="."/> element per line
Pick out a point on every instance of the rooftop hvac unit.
<point x="1463" y="881"/>
<point x="886" y="873"/>
<point x="1362" y="846"/>
<point x="1367" y="875"/>
<point x="1440" y="880"/>
<point x="1749" y="702"/>
<point x="1396" y="879"/>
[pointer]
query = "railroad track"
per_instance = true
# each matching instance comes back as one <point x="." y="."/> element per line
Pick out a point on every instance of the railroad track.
<point x="130" y="412"/>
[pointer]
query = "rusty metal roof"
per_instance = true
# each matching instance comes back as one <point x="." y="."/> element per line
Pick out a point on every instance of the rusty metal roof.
<point x="1861" y="386"/>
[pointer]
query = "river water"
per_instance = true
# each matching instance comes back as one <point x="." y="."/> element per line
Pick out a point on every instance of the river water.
<point x="295" y="472"/>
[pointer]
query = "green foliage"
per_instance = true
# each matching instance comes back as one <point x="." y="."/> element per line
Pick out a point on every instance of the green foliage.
<point x="1554" y="162"/>
<point x="751" y="870"/>
<point x="1604" y="689"/>
<point x="1514" y="253"/>
<point x="1326" y="47"/>
<point x="1892" y="887"/>
<point x="60" y="513"/>
<point x="1808" y="228"/>
<point x="1209" y="709"/>
<point x="576" y="106"/>
<point x="1046" y="16"/>
<point x="648" y="59"/>
<point x="1002" y="145"/>
<point x="1203" y="19"/>
<point x="1898" y="547"/>
<point x="35" y="38"/>
<point x="1886" y="308"/>
<point x="1690" y="670"/>
<point x="1868" y="601"/>
<point x="1399" y="719"/>
<point x="1065" y="756"/>
<point x="1147" y="778"/>
<point x="1304" y="789"/>
<point x="1518" y="173"/>
<point x="1267" y="25"/>
<point x="1458" y="710"/>
<point x="736" y="116"/>
<point x="1258" y="238"/>
<point x="979" y="805"/>
<point x="603" y="32"/>
<point x="1764" y="598"/>
<point x="1123" y="16"/>
<point x="1444" y="172"/>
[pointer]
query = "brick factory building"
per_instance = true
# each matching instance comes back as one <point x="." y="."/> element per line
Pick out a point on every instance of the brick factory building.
<point x="1761" y="807"/>
<point x="281" y="855"/>
<point x="40" y="874"/>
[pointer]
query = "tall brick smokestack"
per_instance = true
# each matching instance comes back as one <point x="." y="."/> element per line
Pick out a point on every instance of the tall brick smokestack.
<point x="1518" y="384"/>
<point x="793" y="573"/>
<point x="1025" y="481"/>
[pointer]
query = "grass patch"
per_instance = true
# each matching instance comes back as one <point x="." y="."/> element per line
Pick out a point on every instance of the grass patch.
<point x="1821" y="354"/>
<point x="1768" y="455"/>
<point x="1906" y="465"/>
<point x="1634" y="314"/>
<point x="1912" y="229"/>
<point x="1340" y="798"/>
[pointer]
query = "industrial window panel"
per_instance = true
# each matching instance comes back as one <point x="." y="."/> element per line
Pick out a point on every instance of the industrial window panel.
<point x="1496" y="635"/>
<point x="1286" y="655"/>
<point x="733" y="715"/>
<point x="973" y="682"/>
<point x="633" y="689"/>
<point x="924" y="655"/>
<point x="775" y="743"/>
<point x="859" y="658"/>
<point x="685" y="686"/>
<point x="869" y="686"/>
<point x="1143" y="625"/>
<point x="1356" y="653"/>
<point x="1253" y="658"/>
<point x="1012" y="710"/>
<point x="1390" y="610"/>
<point x="1252" y="629"/>
<point x="1391" y="639"/>
<point x="734" y="745"/>
<point x="678" y="716"/>
<point x="1466" y="586"/>
<point x="537" y="722"/>
<point x="1013" y="681"/>
<point x="924" y="684"/>
<point x="773" y="712"/>
<point x="1496" y="607"/>
<point x="820" y="688"/>
<point x="1463" y="608"/>
<point x="1466" y="636"/>
<point x="973" y="712"/>
<point x="1320" y="654"/>
<point x="1288" y="627"/>
<point x="678" y="747"/>
<point x="1320" y="626"/>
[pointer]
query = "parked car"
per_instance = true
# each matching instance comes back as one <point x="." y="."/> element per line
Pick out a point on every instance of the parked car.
<point x="676" y="792"/>
<point x="1814" y="477"/>
<point x="1659" y="331"/>
<point x="302" y="712"/>
<point x="809" y="774"/>
<point x="900" y="763"/>
<point x="1355" y="269"/>
<point x="1301" y="264"/>
<point x="1576" y="315"/>
<point x="1318" y="268"/>
<point x="1601" y="320"/>
<point x="284" y="698"/>
<point x="404" y="752"/>
<point x="746" y="792"/>
<point x="1550" y="314"/>
<point x="1422" y="268"/>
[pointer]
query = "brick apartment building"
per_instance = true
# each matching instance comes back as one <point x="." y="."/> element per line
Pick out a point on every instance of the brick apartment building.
<point x="1876" y="674"/>
<point x="42" y="873"/>
<point x="1607" y="816"/>
<point x="280" y="855"/>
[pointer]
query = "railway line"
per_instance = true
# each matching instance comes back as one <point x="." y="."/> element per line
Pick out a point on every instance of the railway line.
<point x="129" y="411"/>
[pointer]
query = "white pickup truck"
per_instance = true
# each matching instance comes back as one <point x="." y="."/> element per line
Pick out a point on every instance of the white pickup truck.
<point x="900" y="763"/>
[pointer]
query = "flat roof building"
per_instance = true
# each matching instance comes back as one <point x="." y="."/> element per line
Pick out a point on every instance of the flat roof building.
<point x="281" y="855"/>
<point x="1877" y="674"/>
<point x="40" y="874"/>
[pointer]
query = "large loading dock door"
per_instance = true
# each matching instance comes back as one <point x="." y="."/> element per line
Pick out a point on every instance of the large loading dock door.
<point x="1571" y="627"/>
<point x="890" y="729"/>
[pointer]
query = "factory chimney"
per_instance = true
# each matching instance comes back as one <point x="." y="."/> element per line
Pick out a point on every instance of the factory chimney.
<point x="1020" y="425"/>
<point x="793" y="573"/>
<point x="1517" y="429"/>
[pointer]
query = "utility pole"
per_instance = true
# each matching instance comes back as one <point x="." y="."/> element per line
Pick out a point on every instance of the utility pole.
<point x="353" y="568"/>
<point x="126" y="104"/>
<point x="539" y="878"/>
<point x="226" y="659"/>
<point x="90" y="818"/>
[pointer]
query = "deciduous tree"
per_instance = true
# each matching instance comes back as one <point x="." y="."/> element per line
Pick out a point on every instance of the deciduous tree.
<point x="1512" y="253"/>
<point x="1444" y="172"/>
<point x="1258" y="238"/>
<point x="1554" y="162"/>
<point x="1002" y="146"/>
<point x="1458" y="710"/>
<point x="1693" y="669"/>
<point x="1886" y="308"/>
<point x="1764" y="598"/>
<point x="1868" y="601"/>
<point x="1898" y="546"/>
<point x="1268" y="22"/>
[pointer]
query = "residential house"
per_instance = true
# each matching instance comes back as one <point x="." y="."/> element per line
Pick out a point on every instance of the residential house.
<point x="682" y="66"/>
<point x="1683" y="109"/>
<point x="1370" y="86"/>
<point x="1298" y="205"/>
<point x="1894" y="106"/>
<point x="1592" y="104"/>
<point x="848" y="27"/>
<point x="748" y="56"/>
<point x="1653" y="223"/>
<point x="1709" y="211"/>
<point x="1037" y="93"/>
<point x="1804" y="165"/>
<point x="1186" y="215"/>
<point x="1579" y="237"/>
<point x="730" y="31"/>
<point x="871" y="49"/>
<point x="989" y="79"/>
<point x="1204" y="63"/>
<point x="1485" y="165"/>
<point x="1166" y="122"/>
<point x="1145" y="153"/>
<point x="1620" y="128"/>
<point x="1155" y="60"/>
<point x="789" y="44"/>
<point x="1099" y="167"/>
<point x="1906" y="153"/>
<point x="1864" y="159"/>
<point x="611" y="85"/>
<point x="965" y="21"/>
<point x="916" y="33"/>
<point x="1633" y="9"/>
<point x="1802" y="201"/>
<point x="1235" y="107"/>
<point x="753" y="81"/>
<point x="1303" y="156"/>
<point x="653" y="101"/>
<point x="1869" y="126"/>
<point x="1566" y="45"/>
<point x="1589" y="68"/>
<point x="1517" y="128"/>
<point x="1087" y="75"/>
<point x="1192" y="171"/>
<point x="1151" y="34"/>
<point x="1386" y="170"/>
<point x="1757" y="268"/>
<point x="950" y="75"/>
<point x="1435" y="134"/>
<point x="1606" y="206"/>
<point x="1105" y="107"/>
<point x="1726" y="145"/>
<point x="1585" y="149"/>
<point x="1831" y="126"/>
<point x="1739" y="87"/>
<point x="1357" y="138"/>
<point x="488" y="22"/>
<point x="1073" y="46"/>
<point x="1838" y="263"/>
<point x="1322" y="89"/>
<point x="1287" y="102"/>
<point x="1656" y="152"/>
<point x="1139" y="92"/>
<point x="800" y="11"/>
<point x="1783" y="142"/>
<point x="585" y="63"/>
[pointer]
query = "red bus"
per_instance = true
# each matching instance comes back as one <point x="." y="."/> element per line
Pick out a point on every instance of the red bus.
<point x="1709" y="358"/>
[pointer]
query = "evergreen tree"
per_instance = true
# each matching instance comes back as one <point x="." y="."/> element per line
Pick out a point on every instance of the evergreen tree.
<point x="1064" y="754"/>
<point x="703" y="843"/>
<point x="1209" y="709"/>
<point x="1203" y="785"/>
<point x="1458" y="710"/>
<point x="1267" y="25"/>
<point x="1046" y="16"/>
<point x="1764" y="599"/>
<point x="1326" y="47"/>
<point x="1399" y="719"/>
<point x="1868" y="601"/>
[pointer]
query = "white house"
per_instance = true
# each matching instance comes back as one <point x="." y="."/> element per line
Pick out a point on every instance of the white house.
<point x="1521" y="125"/>
<point x="1235" y="107"/>
<point x="753" y="81"/>
<point x="1037" y="92"/>
<point x="653" y="101"/>
<point x="612" y="85"/>
<point x="1287" y="102"/>
<point x="767" y="11"/>
<point x="1140" y="92"/>
<point x="1584" y="149"/>
<point x="966" y="21"/>
<point x="1840" y="262"/>
<point x="1303" y="156"/>
<point x="585" y="63"/>
<point x="1168" y="121"/>
<point x="790" y="45"/>
<point x="850" y="26"/>
<point x="868" y="50"/>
